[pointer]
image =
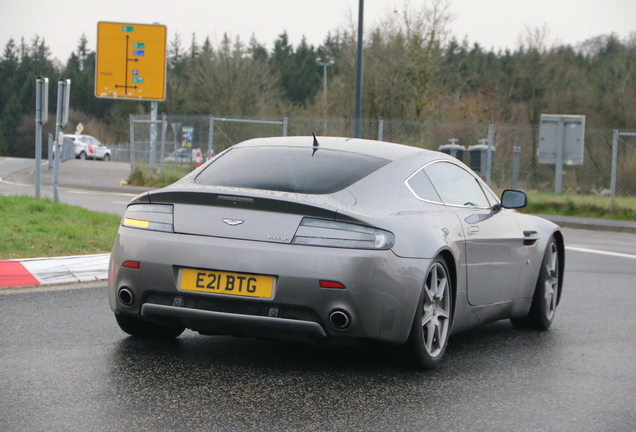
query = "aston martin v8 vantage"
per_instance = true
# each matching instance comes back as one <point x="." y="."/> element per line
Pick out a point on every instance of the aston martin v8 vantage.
<point x="329" y="240"/>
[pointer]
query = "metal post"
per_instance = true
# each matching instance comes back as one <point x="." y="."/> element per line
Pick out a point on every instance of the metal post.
<point x="380" y="129"/>
<point x="357" y="127"/>
<point x="285" y="125"/>
<point x="132" y="143"/>
<point x="211" y="137"/>
<point x="164" y="125"/>
<point x="153" y="133"/>
<point x="56" y="164"/>
<point x="489" y="155"/>
<point x="324" y="92"/>
<point x="61" y="118"/>
<point x="324" y="78"/>
<point x="516" y="161"/>
<point x="50" y="152"/>
<point x="558" y="169"/>
<point x="41" y="117"/>
<point x="614" y="168"/>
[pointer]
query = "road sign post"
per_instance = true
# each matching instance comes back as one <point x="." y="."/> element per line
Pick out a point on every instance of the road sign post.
<point x="41" y="118"/>
<point x="61" y="119"/>
<point x="153" y="134"/>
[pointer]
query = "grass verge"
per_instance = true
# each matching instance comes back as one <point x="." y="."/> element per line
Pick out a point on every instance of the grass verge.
<point x="33" y="228"/>
<point x="591" y="206"/>
<point x="142" y="176"/>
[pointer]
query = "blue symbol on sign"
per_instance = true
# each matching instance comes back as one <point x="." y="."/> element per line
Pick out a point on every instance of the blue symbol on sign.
<point x="135" y="72"/>
<point x="138" y="53"/>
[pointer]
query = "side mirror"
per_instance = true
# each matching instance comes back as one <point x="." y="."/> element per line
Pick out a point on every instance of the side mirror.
<point x="513" y="199"/>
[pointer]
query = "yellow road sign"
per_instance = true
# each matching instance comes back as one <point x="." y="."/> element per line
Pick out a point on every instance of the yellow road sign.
<point x="131" y="61"/>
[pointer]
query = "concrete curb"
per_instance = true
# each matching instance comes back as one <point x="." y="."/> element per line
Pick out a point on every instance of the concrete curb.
<point x="54" y="270"/>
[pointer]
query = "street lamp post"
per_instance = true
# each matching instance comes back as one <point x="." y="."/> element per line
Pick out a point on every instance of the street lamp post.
<point x="324" y="97"/>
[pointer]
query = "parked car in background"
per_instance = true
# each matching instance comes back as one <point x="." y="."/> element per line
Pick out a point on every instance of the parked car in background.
<point x="88" y="147"/>
<point x="184" y="155"/>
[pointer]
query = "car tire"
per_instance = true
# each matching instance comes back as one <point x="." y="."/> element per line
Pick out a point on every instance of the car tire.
<point x="433" y="317"/>
<point x="106" y="157"/>
<point x="546" y="292"/>
<point x="146" y="329"/>
<point x="82" y="155"/>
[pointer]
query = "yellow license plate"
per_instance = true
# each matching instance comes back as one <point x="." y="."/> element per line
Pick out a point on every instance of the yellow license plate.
<point x="236" y="284"/>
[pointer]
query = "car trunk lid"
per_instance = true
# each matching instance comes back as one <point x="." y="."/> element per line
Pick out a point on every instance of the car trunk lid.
<point x="258" y="217"/>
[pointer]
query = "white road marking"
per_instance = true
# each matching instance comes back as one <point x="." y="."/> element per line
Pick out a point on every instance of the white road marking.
<point x="600" y="252"/>
<point x="88" y="192"/>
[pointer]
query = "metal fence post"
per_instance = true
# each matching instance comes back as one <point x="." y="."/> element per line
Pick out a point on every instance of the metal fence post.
<point x="285" y="125"/>
<point x="516" y="162"/>
<point x="380" y="129"/>
<point x="132" y="143"/>
<point x="489" y="156"/>
<point x="211" y="138"/>
<point x="164" y="125"/>
<point x="614" y="169"/>
<point x="558" y="169"/>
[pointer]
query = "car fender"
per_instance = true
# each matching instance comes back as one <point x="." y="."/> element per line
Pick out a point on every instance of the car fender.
<point x="542" y="230"/>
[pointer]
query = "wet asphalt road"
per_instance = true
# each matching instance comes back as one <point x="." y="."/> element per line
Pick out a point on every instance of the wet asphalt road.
<point x="66" y="366"/>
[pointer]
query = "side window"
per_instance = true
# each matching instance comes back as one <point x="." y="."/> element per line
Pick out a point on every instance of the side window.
<point x="455" y="185"/>
<point x="421" y="186"/>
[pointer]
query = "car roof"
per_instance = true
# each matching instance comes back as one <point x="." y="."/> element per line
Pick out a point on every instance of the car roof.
<point x="380" y="149"/>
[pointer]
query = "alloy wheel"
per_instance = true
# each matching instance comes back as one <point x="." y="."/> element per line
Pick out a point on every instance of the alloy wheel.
<point x="436" y="310"/>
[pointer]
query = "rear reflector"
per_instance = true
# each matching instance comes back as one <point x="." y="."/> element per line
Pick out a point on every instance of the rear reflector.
<point x="131" y="264"/>
<point x="330" y="284"/>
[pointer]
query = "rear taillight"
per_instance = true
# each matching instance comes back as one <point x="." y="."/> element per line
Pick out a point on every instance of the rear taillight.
<point x="154" y="217"/>
<point x="326" y="233"/>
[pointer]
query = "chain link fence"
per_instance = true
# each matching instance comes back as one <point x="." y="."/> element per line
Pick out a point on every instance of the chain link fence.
<point x="513" y="164"/>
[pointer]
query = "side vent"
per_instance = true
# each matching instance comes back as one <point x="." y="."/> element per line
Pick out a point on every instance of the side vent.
<point x="531" y="238"/>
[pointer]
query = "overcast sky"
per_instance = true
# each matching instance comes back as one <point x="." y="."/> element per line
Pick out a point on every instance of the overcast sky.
<point x="492" y="23"/>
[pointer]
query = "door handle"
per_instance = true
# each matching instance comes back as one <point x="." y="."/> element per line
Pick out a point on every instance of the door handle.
<point x="473" y="229"/>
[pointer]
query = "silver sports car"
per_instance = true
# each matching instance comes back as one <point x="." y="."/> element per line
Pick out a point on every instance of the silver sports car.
<point x="333" y="239"/>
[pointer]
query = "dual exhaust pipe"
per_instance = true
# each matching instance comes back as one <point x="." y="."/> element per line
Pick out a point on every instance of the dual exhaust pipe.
<point x="339" y="319"/>
<point x="125" y="296"/>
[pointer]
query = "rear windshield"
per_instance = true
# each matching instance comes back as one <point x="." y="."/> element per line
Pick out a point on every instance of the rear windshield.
<point x="289" y="169"/>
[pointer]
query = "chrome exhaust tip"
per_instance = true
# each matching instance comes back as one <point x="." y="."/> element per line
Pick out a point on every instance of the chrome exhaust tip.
<point x="339" y="319"/>
<point x="125" y="296"/>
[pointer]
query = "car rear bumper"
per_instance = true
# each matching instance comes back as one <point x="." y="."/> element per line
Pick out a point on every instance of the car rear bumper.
<point x="379" y="299"/>
<point x="231" y="319"/>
